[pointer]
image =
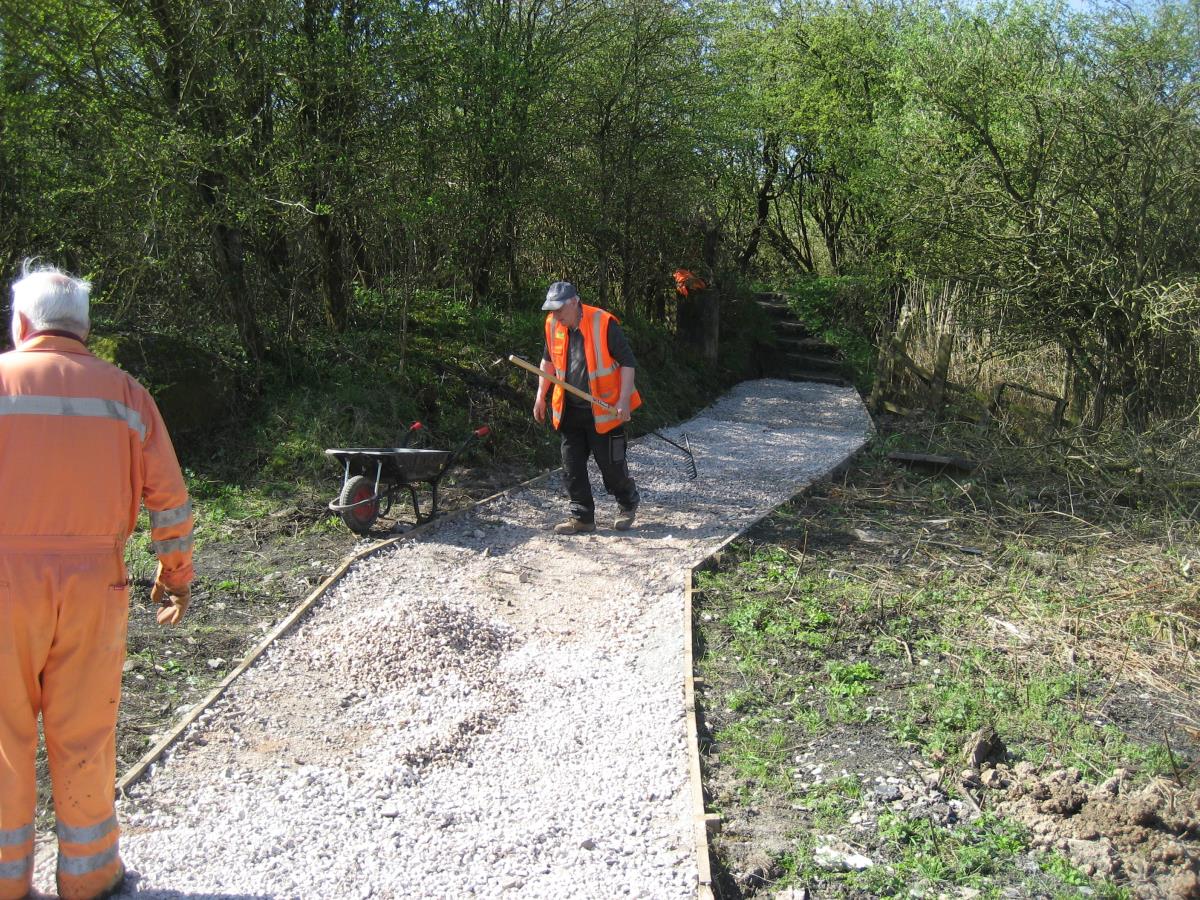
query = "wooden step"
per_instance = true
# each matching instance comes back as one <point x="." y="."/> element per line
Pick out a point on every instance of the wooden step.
<point x="814" y="363"/>
<point x="819" y="378"/>
<point x="792" y="327"/>
<point x="778" y="310"/>
<point x="808" y="345"/>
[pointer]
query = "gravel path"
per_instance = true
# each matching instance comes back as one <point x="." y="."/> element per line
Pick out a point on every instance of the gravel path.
<point x="489" y="709"/>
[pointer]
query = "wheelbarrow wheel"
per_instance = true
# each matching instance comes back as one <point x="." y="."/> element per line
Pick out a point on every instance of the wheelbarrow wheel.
<point x="362" y="517"/>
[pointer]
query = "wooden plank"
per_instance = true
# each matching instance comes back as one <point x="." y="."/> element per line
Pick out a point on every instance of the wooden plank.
<point x="152" y="755"/>
<point x="807" y="345"/>
<point x="933" y="461"/>
<point x="1056" y="414"/>
<point x="819" y="378"/>
<point x="704" y="822"/>
<point x="900" y="355"/>
<point x="941" y="369"/>
<point x="1012" y="385"/>
<point x="695" y="777"/>
<point x="815" y="362"/>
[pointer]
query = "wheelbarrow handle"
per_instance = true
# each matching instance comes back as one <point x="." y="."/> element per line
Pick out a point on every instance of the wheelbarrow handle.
<point x="477" y="435"/>
<point x="408" y="435"/>
<point x="582" y="395"/>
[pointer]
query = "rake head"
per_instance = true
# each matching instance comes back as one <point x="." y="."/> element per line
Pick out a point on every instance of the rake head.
<point x="689" y="460"/>
<point x="686" y="449"/>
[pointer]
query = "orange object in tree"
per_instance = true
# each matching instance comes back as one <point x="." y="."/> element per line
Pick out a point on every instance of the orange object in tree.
<point x="82" y="446"/>
<point x="686" y="281"/>
<point x="604" y="372"/>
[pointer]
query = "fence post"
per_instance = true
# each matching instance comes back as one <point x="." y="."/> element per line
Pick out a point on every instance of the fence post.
<point x="941" y="368"/>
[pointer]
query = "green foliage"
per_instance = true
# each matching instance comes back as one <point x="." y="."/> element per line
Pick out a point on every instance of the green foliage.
<point x="757" y="749"/>
<point x="967" y="855"/>
<point x="251" y="167"/>
<point x="257" y="174"/>
<point x="848" y="680"/>
<point x="845" y="311"/>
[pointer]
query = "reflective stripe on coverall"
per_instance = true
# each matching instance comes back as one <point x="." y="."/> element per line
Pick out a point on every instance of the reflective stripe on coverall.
<point x="604" y="373"/>
<point x="81" y="446"/>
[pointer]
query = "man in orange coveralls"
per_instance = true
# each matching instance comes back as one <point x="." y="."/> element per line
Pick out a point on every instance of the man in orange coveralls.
<point x="82" y="445"/>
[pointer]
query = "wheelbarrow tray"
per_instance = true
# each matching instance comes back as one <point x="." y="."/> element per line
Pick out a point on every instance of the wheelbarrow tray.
<point x="395" y="465"/>
<point x="372" y="477"/>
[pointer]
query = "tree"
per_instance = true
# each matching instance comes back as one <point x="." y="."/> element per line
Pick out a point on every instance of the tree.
<point x="1055" y="169"/>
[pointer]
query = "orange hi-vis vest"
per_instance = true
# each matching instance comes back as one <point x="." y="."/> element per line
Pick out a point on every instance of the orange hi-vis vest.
<point x="604" y="372"/>
<point x="686" y="281"/>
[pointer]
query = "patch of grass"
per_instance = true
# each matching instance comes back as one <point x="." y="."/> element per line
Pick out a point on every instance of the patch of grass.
<point x="1039" y="709"/>
<point x="326" y="524"/>
<point x="756" y="747"/>
<point x="848" y="680"/>
<point x="935" y="856"/>
<point x="830" y="803"/>
<point x="1061" y="868"/>
<point x="217" y="502"/>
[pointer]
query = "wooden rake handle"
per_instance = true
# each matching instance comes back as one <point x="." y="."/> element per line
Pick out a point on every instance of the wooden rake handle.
<point x="685" y="447"/>
<point x="582" y="395"/>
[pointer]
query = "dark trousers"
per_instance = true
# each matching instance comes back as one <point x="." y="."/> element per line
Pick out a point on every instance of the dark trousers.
<point x="579" y="440"/>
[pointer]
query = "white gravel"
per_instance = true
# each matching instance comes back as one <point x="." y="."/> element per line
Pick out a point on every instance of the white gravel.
<point x="489" y="709"/>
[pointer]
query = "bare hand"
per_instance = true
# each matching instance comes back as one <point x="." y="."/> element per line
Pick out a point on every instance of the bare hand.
<point x="622" y="410"/>
<point x="174" y="602"/>
<point x="539" y="409"/>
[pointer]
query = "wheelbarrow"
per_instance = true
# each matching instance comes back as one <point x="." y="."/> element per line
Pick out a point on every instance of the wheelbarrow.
<point x="372" y="478"/>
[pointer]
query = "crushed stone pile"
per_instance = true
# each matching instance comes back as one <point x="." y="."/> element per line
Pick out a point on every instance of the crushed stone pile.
<point x="486" y="709"/>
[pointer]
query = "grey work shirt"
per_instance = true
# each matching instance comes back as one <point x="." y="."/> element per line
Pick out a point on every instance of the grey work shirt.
<point x="577" y="374"/>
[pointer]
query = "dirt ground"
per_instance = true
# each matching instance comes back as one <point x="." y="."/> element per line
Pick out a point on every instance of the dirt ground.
<point x="953" y="602"/>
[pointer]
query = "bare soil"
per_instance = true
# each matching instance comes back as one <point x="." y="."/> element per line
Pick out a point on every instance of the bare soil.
<point x="1071" y="588"/>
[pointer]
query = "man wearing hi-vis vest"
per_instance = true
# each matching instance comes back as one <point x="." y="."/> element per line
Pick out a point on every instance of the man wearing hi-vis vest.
<point x="82" y="446"/>
<point x="586" y="348"/>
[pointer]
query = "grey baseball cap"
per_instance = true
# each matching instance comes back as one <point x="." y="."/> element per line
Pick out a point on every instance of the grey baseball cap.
<point x="559" y="294"/>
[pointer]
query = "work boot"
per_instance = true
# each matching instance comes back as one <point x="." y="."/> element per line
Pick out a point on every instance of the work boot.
<point x="574" y="526"/>
<point x="113" y="888"/>
<point x="625" y="517"/>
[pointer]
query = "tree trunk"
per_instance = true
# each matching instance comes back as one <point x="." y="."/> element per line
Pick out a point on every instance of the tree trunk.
<point x="335" y="286"/>
<point x="762" y="205"/>
<point x="941" y="369"/>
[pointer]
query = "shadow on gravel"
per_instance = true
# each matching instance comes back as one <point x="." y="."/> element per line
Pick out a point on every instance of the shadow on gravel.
<point x="130" y="889"/>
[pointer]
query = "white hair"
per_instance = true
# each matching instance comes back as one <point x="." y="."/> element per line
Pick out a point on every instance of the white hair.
<point x="50" y="299"/>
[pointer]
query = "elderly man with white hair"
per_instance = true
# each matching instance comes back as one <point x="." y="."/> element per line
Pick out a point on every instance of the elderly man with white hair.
<point x="82" y="446"/>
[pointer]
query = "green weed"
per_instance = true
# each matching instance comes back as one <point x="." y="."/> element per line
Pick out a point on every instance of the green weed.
<point x="848" y="680"/>
<point x="921" y="852"/>
<point x="756" y="747"/>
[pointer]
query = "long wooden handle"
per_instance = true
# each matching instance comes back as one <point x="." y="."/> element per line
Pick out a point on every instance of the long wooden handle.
<point x="582" y="395"/>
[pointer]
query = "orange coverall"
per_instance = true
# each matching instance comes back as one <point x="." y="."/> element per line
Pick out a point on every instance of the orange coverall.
<point x="82" y="445"/>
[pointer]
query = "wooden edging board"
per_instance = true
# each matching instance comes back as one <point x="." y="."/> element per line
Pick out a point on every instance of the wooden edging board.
<point x="152" y="755"/>
<point x="703" y="821"/>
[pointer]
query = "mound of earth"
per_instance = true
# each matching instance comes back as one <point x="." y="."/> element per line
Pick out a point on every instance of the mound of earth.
<point x="1147" y="837"/>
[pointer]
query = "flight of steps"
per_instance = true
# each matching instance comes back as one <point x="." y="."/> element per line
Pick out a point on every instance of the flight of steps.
<point x="800" y="356"/>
